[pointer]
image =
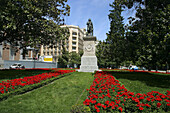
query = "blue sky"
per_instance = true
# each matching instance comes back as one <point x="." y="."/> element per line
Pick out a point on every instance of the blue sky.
<point x="97" y="10"/>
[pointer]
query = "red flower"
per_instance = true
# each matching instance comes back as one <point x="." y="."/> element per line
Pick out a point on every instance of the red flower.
<point x="2" y="92"/>
<point x="141" y="108"/>
<point x="93" y="102"/>
<point x="113" y="107"/>
<point x="107" y="102"/>
<point x="159" y="104"/>
<point x="105" y="85"/>
<point x="148" y="99"/>
<point x="147" y="105"/>
<point x="141" y="98"/>
<point x="98" y="104"/>
<point x="116" y="105"/>
<point x="120" y="109"/>
<point x="104" y="106"/>
<point x="97" y="110"/>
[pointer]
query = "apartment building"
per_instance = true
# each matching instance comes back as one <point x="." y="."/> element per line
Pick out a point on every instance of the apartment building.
<point x="74" y="43"/>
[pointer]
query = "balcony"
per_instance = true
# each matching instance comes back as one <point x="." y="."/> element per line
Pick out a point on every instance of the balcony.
<point x="73" y="48"/>
<point x="74" y="33"/>
<point x="74" y="44"/>
<point x="74" y="38"/>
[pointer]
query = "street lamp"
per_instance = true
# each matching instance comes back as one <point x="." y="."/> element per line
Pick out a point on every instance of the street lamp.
<point x="35" y="54"/>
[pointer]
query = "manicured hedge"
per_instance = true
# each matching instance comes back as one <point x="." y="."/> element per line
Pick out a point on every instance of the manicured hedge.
<point x="106" y="94"/>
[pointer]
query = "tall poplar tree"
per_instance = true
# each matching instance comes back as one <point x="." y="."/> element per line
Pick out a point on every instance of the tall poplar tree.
<point x="115" y="38"/>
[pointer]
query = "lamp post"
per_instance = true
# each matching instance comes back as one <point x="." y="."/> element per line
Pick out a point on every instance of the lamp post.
<point x="35" y="54"/>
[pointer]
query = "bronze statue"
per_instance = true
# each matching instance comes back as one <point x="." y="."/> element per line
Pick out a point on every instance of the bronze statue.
<point x="89" y="28"/>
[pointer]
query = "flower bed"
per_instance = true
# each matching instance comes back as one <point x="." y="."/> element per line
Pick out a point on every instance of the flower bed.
<point x="106" y="94"/>
<point x="14" y="84"/>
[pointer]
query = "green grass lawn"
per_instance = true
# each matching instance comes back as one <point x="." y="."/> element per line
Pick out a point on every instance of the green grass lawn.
<point x="144" y="82"/>
<point x="56" y="97"/>
<point x="12" y="74"/>
<point x="60" y="95"/>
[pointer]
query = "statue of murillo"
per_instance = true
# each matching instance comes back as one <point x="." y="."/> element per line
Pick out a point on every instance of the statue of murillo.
<point x="89" y="28"/>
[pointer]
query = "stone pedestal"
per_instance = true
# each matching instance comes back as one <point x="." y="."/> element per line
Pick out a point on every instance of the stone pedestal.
<point x="89" y="59"/>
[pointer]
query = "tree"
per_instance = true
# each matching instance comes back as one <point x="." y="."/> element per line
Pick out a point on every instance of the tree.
<point x="64" y="58"/>
<point x="32" y="22"/>
<point x="75" y="58"/>
<point x="102" y="53"/>
<point x="70" y="59"/>
<point x="150" y="33"/>
<point x="115" y="38"/>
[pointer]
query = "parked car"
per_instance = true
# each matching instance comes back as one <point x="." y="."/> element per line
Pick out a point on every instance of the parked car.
<point x="17" y="66"/>
<point x="123" y="67"/>
<point x="142" y="68"/>
<point x="133" y="67"/>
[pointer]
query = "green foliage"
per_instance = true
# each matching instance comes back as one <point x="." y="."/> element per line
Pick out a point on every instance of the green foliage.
<point x="75" y="58"/>
<point x="80" y="109"/>
<point x="64" y="58"/>
<point x="115" y="42"/>
<point x="35" y="22"/>
<point x="148" y="37"/>
<point x="101" y="54"/>
<point x="70" y="58"/>
<point x="144" y="42"/>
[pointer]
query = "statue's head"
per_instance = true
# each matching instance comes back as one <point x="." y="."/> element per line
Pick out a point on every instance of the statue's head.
<point x="89" y="19"/>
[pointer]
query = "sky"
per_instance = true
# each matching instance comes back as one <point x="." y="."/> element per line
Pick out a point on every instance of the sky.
<point x="97" y="11"/>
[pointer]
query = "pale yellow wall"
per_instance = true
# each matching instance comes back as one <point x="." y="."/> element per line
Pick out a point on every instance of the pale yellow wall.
<point x="57" y="50"/>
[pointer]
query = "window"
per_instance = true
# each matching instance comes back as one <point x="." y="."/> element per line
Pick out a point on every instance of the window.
<point x="73" y="48"/>
<point x="74" y="43"/>
<point x="74" y="33"/>
<point x="74" y="38"/>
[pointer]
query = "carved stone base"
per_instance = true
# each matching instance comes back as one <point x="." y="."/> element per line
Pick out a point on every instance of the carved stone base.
<point x="88" y="64"/>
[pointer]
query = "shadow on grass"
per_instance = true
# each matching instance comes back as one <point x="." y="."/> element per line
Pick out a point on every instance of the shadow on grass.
<point x="150" y="79"/>
<point x="12" y="74"/>
<point x="32" y="87"/>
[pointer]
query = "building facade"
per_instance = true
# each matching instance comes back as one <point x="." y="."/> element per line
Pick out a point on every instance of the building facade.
<point x="74" y="43"/>
<point x="10" y="53"/>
